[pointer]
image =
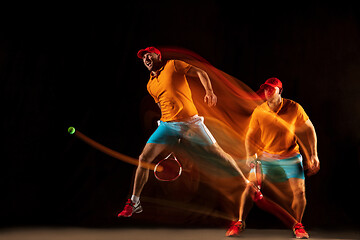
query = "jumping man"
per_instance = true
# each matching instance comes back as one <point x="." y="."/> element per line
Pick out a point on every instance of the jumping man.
<point x="169" y="87"/>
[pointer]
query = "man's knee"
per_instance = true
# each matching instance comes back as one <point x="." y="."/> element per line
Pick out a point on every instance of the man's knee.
<point x="299" y="195"/>
<point x="144" y="158"/>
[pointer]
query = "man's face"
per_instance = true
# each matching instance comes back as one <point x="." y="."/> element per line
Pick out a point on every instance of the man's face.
<point x="151" y="61"/>
<point x="271" y="92"/>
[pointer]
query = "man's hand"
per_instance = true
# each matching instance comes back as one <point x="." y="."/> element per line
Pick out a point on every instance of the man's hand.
<point x="250" y="160"/>
<point x="210" y="98"/>
<point x="314" y="165"/>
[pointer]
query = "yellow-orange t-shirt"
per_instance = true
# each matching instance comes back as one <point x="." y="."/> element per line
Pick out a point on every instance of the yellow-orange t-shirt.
<point x="171" y="90"/>
<point x="277" y="129"/>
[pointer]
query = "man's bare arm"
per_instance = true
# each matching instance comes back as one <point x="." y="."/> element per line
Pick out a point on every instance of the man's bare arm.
<point x="249" y="146"/>
<point x="310" y="136"/>
<point x="210" y="98"/>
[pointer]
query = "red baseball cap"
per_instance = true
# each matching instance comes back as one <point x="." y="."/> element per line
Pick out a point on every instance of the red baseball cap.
<point x="273" y="82"/>
<point x="141" y="52"/>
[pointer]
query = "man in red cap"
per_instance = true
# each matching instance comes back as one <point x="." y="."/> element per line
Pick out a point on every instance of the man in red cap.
<point x="179" y="117"/>
<point x="275" y="124"/>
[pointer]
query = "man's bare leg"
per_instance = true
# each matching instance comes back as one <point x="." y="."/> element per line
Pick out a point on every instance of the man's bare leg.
<point x="150" y="152"/>
<point x="238" y="226"/>
<point x="299" y="202"/>
<point x="244" y="197"/>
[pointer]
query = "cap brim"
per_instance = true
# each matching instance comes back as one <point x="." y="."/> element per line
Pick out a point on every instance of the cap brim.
<point x="141" y="53"/>
<point x="267" y="84"/>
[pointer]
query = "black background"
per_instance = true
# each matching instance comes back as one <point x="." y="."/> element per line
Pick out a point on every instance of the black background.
<point x="68" y="65"/>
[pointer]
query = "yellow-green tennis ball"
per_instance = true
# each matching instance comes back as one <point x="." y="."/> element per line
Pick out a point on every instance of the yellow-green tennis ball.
<point x="71" y="130"/>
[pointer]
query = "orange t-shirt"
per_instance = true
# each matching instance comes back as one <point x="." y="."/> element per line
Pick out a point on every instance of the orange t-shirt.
<point x="277" y="129"/>
<point x="171" y="90"/>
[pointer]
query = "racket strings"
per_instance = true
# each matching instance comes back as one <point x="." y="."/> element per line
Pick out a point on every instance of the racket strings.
<point x="171" y="169"/>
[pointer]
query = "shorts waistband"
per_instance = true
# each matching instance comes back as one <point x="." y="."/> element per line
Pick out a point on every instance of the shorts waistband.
<point x="188" y="119"/>
<point x="273" y="157"/>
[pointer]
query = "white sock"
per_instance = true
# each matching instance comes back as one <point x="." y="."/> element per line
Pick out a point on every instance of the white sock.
<point x="135" y="199"/>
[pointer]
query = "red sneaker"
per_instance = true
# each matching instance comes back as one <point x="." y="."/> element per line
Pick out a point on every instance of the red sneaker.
<point x="130" y="208"/>
<point x="300" y="232"/>
<point x="258" y="196"/>
<point x="235" y="229"/>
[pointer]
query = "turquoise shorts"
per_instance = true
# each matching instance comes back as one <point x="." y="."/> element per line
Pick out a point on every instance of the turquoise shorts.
<point x="281" y="170"/>
<point x="193" y="130"/>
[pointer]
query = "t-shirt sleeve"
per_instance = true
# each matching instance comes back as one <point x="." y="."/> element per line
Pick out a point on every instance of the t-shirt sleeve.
<point x="301" y="117"/>
<point x="181" y="66"/>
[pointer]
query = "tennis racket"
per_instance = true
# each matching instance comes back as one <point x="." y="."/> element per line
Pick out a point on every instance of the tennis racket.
<point x="257" y="181"/>
<point x="168" y="169"/>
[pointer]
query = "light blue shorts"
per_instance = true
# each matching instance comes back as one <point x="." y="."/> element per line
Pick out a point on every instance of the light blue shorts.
<point x="193" y="130"/>
<point x="283" y="169"/>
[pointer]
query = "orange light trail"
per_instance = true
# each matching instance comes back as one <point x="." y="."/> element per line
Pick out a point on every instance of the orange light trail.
<point x="114" y="153"/>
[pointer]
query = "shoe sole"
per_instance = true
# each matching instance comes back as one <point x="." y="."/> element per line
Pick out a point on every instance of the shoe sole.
<point x="138" y="210"/>
<point x="302" y="237"/>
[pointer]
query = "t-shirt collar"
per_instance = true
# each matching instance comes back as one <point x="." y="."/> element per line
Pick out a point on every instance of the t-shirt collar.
<point x="270" y="110"/>
<point x="157" y="72"/>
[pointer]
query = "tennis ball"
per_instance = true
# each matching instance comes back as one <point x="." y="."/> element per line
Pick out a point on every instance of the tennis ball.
<point x="71" y="130"/>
